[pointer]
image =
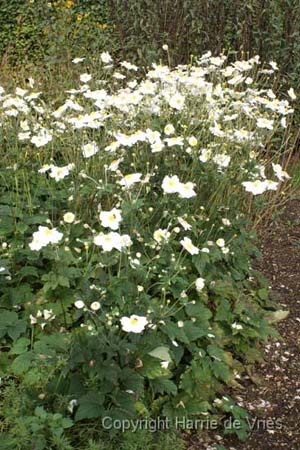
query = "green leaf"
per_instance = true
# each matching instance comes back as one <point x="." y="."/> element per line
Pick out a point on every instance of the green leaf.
<point x="200" y="261"/>
<point x="263" y="293"/>
<point x="193" y="331"/>
<point x="20" y="346"/>
<point x="174" y="332"/>
<point x="22" y="363"/>
<point x="161" y="353"/>
<point x="66" y="422"/>
<point x="131" y="380"/>
<point x="224" y="311"/>
<point x="151" y="368"/>
<point x="28" y="271"/>
<point x="56" y="342"/>
<point x="90" y="406"/>
<point x="225" y="289"/>
<point x="163" y="386"/>
<point x="63" y="281"/>
<point x="11" y="325"/>
<point x="21" y="294"/>
<point x="219" y="354"/>
<point x="221" y="370"/>
<point x="124" y="405"/>
<point x="197" y="407"/>
<point x="7" y="319"/>
<point x="15" y="331"/>
<point x="197" y="309"/>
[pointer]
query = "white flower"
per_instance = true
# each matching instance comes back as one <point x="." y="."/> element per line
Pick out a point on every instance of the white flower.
<point x="33" y="320"/>
<point x="125" y="241"/>
<point x="292" y="94"/>
<point x="205" y="250"/>
<point x="107" y="241"/>
<point x="220" y="242"/>
<point x="255" y="187"/>
<point x="77" y="60"/>
<point x="79" y="304"/>
<point x="271" y="185"/>
<point x="106" y="58"/>
<point x="134" y="323"/>
<point x="169" y="129"/>
<point x="59" y="173"/>
<point x="161" y="235"/>
<point x="186" y="190"/>
<point x="114" y="165"/>
<point x="283" y="122"/>
<point x="24" y="125"/>
<point x="265" y="123"/>
<point x="45" y="236"/>
<point x="192" y="141"/>
<point x="24" y="136"/>
<point x="69" y="217"/>
<point x="95" y="306"/>
<point x="89" y="149"/>
<point x="200" y="283"/>
<point x="171" y="142"/>
<point x="164" y="364"/>
<point x="21" y="92"/>
<point x="152" y="136"/>
<point x="180" y="324"/>
<point x="177" y="101"/>
<point x="129" y="66"/>
<point x="205" y="155"/>
<point x="186" y="226"/>
<point x="45" y="168"/>
<point x="48" y="314"/>
<point x="274" y="65"/>
<point x="216" y="130"/>
<point x="188" y="246"/>
<point x="42" y="138"/>
<point x="280" y="174"/>
<point x="111" y="219"/>
<point x="85" y="77"/>
<point x="165" y="47"/>
<point x="118" y="76"/>
<point x="222" y="160"/>
<point x="258" y="187"/>
<point x="128" y="180"/>
<point x="74" y="402"/>
<point x="111" y="241"/>
<point x="226" y="222"/>
<point x="157" y="146"/>
<point x="171" y="185"/>
<point x="236" y="326"/>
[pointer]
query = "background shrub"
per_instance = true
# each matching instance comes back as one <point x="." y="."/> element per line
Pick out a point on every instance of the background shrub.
<point x="137" y="29"/>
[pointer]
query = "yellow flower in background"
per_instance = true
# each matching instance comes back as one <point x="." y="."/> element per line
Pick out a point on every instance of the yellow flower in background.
<point x="68" y="4"/>
<point x="102" y="26"/>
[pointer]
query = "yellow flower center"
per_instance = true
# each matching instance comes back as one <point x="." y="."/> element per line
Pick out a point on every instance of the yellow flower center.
<point x="133" y="321"/>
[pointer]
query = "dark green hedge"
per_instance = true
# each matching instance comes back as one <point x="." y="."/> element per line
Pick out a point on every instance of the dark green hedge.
<point x="137" y="29"/>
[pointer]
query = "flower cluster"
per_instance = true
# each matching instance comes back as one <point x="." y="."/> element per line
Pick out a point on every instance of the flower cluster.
<point x="45" y="236"/>
<point x="145" y="181"/>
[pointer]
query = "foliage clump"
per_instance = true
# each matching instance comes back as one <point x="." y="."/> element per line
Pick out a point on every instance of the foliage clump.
<point x="126" y="282"/>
